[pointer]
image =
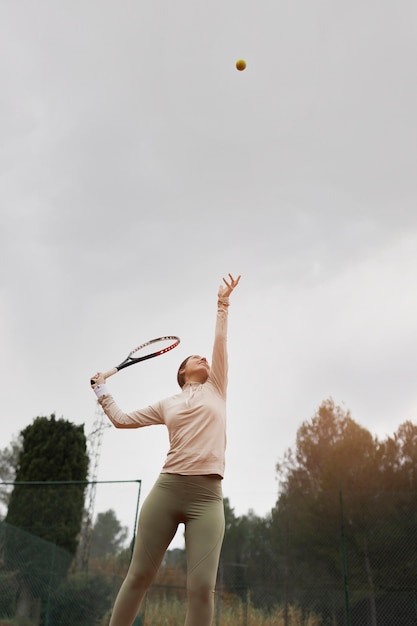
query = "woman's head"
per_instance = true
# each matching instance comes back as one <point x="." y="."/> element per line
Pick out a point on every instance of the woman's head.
<point x="194" y="369"/>
<point x="180" y="373"/>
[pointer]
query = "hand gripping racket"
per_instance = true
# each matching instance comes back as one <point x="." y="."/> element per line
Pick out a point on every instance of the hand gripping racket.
<point x="144" y="352"/>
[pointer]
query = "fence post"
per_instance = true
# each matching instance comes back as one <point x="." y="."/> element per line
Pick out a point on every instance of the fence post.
<point x="51" y="574"/>
<point x="219" y="593"/>
<point x="136" y="518"/>
<point x="345" y="569"/>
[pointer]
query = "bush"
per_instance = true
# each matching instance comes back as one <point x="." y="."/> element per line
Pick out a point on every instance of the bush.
<point x="82" y="600"/>
<point x="9" y="588"/>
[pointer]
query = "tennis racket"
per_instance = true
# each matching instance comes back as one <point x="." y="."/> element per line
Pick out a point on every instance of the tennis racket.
<point x="145" y="351"/>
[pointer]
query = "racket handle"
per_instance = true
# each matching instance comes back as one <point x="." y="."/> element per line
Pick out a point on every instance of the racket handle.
<point x="111" y="372"/>
<point x="106" y="374"/>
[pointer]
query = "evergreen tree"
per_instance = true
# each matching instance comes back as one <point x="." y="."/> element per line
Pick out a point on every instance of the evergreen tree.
<point x="8" y="463"/>
<point x="44" y="520"/>
<point x="108" y="536"/>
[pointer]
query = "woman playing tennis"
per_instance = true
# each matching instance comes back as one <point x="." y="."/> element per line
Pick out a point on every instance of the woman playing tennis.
<point x="189" y="488"/>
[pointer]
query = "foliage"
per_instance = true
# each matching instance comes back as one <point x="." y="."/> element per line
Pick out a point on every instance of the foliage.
<point x="108" y="536"/>
<point x="346" y="510"/>
<point x="342" y="481"/>
<point x="17" y="621"/>
<point x="52" y="450"/>
<point x="82" y="600"/>
<point x="9" y="586"/>
<point x="8" y="463"/>
<point x="247" y="555"/>
<point x="169" y="610"/>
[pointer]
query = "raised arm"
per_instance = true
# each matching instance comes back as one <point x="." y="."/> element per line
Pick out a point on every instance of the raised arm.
<point x="219" y="361"/>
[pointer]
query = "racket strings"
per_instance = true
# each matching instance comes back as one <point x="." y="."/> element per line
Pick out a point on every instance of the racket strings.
<point x="155" y="346"/>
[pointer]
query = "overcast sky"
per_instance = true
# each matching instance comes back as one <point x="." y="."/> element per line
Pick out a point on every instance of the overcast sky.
<point x="138" y="167"/>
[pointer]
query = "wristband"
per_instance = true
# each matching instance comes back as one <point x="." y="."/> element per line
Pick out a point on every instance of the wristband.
<point x="100" y="390"/>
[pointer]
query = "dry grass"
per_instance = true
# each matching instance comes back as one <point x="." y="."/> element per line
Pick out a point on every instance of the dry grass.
<point x="164" y="611"/>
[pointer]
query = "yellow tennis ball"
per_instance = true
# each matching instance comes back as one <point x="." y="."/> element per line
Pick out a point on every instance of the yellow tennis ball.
<point x="240" y="65"/>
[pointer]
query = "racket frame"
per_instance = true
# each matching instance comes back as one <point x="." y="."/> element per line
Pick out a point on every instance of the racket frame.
<point x="131" y="360"/>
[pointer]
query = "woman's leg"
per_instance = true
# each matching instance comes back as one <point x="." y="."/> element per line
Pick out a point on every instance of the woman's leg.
<point x="158" y="522"/>
<point x="204" y="531"/>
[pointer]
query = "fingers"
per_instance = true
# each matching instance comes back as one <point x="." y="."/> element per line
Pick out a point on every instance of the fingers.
<point x="233" y="282"/>
<point x="97" y="379"/>
<point x="230" y="284"/>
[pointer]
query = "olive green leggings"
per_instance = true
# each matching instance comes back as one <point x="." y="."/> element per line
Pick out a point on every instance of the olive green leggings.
<point x="197" y="502"/>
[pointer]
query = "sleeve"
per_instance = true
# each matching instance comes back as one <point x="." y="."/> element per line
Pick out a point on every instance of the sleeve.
<point x="148" y="416"/>
<point x="219" y="360"/>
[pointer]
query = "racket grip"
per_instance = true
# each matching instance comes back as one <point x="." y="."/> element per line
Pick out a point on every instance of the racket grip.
<point x="106" y="375"/>
<point x="110" y="373"/>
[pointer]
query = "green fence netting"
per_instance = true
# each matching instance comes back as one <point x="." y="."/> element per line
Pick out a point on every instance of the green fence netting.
<point x="360" y="570"/>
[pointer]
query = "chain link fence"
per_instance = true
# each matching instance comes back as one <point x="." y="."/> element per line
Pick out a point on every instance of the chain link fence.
<point x="34" y="591"/>
<point x="359" y="569"/>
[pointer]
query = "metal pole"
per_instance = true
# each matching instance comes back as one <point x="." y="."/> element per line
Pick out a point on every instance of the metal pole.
<point x="219" y="593"/>
<point x="345" y="568"/>
<point x="136" y="518"/>
<point x="51" y="573"/>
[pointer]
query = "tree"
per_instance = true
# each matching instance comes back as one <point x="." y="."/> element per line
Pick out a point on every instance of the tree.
<point x="344" y="490"/>
<point x="108" y="536"/>
<point x="333" y="456"/>
<point x="82" y="600"/>
<point x="8" y="462"/>
<point x="232" y="554"/>
<point x="248" y="562"/>
<point x="44" y="520"/>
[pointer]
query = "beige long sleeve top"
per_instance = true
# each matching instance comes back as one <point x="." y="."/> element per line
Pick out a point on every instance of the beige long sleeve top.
<point x="195" y="417"/>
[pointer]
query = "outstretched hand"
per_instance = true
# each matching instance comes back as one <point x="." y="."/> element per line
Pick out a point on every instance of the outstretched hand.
<point x="226" y="289"/>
